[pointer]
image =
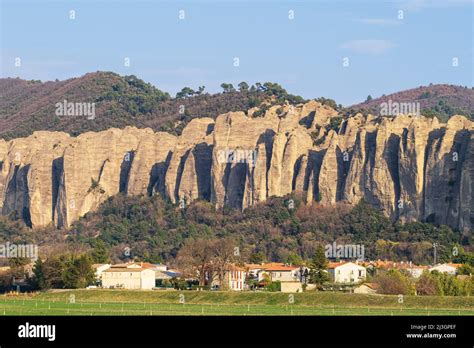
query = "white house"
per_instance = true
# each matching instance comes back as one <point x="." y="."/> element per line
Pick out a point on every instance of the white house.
<point x="416" y="271"/>
<point x="449" y="268"/>
<point x="98" y="269"/>
<point x="131" y="277"/>
<point x="347" y="272"/>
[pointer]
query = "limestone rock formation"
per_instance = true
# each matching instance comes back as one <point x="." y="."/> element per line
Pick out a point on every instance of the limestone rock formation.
<point x="411" y="167"/>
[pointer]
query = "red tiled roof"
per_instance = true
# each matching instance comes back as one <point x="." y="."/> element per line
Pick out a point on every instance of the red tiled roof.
<point x="336" y="264"/>
<point x="455" y="265"/>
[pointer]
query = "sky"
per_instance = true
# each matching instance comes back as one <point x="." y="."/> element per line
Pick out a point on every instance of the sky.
<point x="339" y="49"/>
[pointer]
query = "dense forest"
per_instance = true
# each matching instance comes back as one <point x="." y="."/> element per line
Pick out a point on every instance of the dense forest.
<point x="281" y="229"/>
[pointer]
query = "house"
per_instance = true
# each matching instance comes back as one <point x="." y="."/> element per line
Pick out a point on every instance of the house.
<point x="153" y="266"/>
<point x="234" y="278"/>
<point x="413" y="270"/>
<point x="128" y="277"/>
<point x="98" y="269"/>
<point x="416" y="271"/>
<point x="449" y="268"/>
<point x="346" y="272"/>
<point x="366" y="288"/>
<point x="281" y="273"/>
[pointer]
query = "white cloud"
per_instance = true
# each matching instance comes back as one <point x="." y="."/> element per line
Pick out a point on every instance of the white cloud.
<point x="368" y="46"/>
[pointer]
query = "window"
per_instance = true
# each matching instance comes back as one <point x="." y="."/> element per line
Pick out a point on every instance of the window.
<point x="360" y="273"/>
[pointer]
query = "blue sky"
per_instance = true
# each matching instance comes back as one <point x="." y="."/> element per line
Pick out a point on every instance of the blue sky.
<point x="304" y="54"/>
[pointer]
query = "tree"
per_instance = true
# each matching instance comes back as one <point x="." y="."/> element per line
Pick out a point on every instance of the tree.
<point x="393" y="283"/>
<point x="224" y="254"/>
<point x="318" y="267"/>
<point x="465" y="269"/>
<point x="369" y="98"/>
<point x="185" y="92"/>
<point x="227" y="87"/>
<point x="428" y="284"/>
<point x="194" y="259"/>
<point x="257" y="257"/>
<point x="294" y="259"/>
<point x="100" y="253"/>
<point x="243" y="86"/>
<point x="78" y="272"/>
<point x="200" y="90"/>
<point x="53" y="269"/>
<point x="39" y="280"/>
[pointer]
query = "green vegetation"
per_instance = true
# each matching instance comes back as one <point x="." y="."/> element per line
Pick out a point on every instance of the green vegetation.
<point x="318" y="267"/>
<point x="394" y="282"/>
<point x="443" y="111"/>
<point x="156" y="230"/>
<point x="335" y="124"/>
<point x="127" y="101"/>
<point x="122" y="302"/>
<point x="135" y="95"/>
<point x="63" y="271"/>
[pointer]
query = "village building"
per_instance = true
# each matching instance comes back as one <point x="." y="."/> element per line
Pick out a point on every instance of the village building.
<point x="98" y="269"/>
<point x="282" y="273"/>
<point x="128" y="277"/>
<point x="346" y="272"/>
<point x="449" y="268"/>
<point x="366" y="288"/>
<point x="234" y="278"/>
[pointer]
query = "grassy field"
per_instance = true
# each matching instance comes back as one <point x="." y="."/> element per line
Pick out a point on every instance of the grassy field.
<point x="123" y="302"/>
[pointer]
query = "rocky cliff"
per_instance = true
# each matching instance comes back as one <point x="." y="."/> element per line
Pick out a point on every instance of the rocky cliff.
<point x="411" y="167"/>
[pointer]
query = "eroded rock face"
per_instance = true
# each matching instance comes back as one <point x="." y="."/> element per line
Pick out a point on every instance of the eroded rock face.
<point x="413" y="168"/>
<point x="466" y="204"/>
<point x="188" y="160"/>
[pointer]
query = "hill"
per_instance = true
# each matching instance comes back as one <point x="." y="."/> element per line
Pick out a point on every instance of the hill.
<point x="442" y="101"/>
<point x="120" y="101"/>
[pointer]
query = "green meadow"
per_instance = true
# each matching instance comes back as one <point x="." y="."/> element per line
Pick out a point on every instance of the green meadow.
<point x="128" y="302"/>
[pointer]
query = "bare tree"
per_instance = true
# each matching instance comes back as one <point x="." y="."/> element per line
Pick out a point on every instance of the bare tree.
<point x="225" y="253"/>
<point x="206" y="259"/>
<point x="194" y="259"/>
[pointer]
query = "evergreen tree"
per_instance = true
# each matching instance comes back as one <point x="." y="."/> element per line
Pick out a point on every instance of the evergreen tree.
<point x="243" y="86"/>
<point x="39" y="280"/>
<point x="318" y="267"/>
<point x="78" y="273"/>
<point x="100" y="253"/>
